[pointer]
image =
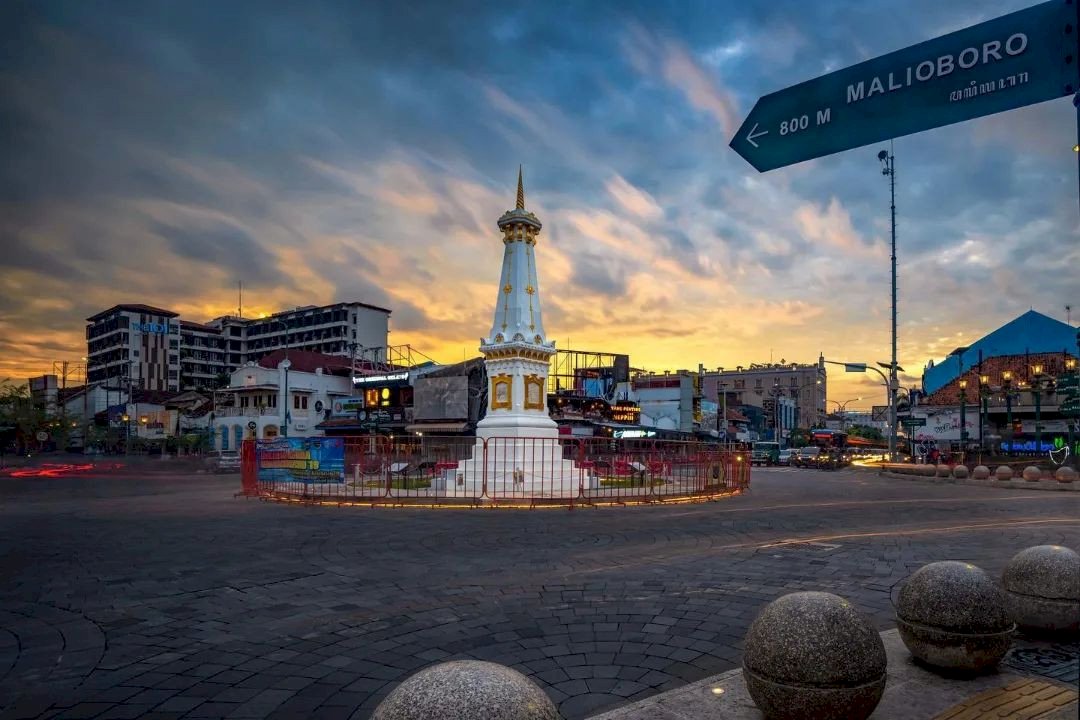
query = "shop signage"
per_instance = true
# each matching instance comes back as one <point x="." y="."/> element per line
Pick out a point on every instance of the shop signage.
<point x="369" y="379"/>
<point x="629" y="414"/>
<point x="160" y="328"/>
<point x="1014" y="60"/>
<point x="635" y="433"/>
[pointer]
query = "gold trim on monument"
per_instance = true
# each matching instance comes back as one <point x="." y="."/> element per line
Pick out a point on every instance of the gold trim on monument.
<point x="502" y="392"/>
<point x="517" y="353"/>
<point x="534" y="392"/>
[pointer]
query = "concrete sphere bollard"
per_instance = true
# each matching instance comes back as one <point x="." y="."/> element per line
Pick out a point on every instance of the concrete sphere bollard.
<point x="960" y="472"/>
<point x="1065" y="474"/>
<point x="1004" y="472"/>
<point x="814" y="655"/>
<point x="929" y="470"/>
<point x="467" y="690"/>
<point x="944" y="471"/>
<point x="1042" y="588"/>
<point x="952" y="616"/>
<point x="981" y="472"/>
<point x="1032" y="473"/>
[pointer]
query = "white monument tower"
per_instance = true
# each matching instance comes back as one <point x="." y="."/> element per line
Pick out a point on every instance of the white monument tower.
<point x="517" y="436"/>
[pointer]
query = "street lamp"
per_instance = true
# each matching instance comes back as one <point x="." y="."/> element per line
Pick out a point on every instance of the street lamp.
<point x="841" y="410"/>
<point x="888" y="168"/>
<point x="963" y="416"/>
<point x="1036" y="389"/>
<point x="1006" y="383"/>
<point x="127" y="432"/>
<point x="984" y="410"/>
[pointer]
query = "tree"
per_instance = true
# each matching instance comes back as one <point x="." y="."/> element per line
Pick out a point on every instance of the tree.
<point x="798" y="437"/>
<point x="18" y="417"/>
<point x="865" y="431"/>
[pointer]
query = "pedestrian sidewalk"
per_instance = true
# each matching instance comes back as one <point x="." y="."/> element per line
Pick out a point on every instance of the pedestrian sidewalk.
<point x="911" y="693"/>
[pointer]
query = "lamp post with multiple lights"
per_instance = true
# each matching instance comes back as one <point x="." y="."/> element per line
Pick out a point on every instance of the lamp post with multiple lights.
<point x="888" y="168"/>
<point x="984" y="411"/>
<point x="841" y="410"/>
<point x="963" y="416"/>
<point x="1037" y="386"/>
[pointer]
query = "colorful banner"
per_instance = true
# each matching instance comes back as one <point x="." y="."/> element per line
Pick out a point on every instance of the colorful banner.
<point x="309" y="459"/>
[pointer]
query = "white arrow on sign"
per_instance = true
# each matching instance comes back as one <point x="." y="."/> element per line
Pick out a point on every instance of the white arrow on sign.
<point x="750" y="135"/>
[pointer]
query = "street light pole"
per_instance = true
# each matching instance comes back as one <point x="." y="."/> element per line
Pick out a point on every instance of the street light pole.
<point x="888" y="161"/>
<point x="1006" y="382"/>
<point x="1036" y="388"/>
<point x="963" y="416"/>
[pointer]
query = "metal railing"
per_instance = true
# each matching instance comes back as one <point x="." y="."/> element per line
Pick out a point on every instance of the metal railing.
<point x="467" y="471"/>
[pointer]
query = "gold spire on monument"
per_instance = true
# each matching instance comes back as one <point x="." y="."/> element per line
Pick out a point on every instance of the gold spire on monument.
<point x="521" y="192"/>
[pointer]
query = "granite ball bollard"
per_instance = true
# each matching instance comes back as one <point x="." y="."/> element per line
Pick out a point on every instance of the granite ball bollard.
<point x="981" y="472"/>
<point x="929" y="470"/>
<point x="960" y="472"/>
<point x="944" y="471"/>
<point x="467" y="690"/>
<point x="1042" y="588"/>
<point x="952" y="616"/>
<point x="814" y="655"/>
<point x="1032" y="473"/>
<point x="1004" y="472"/>
<point x="1065" y="475"/>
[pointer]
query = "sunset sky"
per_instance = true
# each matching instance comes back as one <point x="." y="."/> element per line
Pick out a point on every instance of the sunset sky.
<point x="159" y="152"/>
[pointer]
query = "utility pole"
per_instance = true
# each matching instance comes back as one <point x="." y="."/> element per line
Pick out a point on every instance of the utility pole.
<point x="888" y="161"/>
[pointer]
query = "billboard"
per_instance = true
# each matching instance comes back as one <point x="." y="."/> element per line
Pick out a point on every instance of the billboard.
<point x="945" y="425"/>
<point x="441" y="398"/>
<point x="295" y="459"/>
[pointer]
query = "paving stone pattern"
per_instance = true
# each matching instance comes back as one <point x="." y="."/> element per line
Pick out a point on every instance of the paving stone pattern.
<point x="166" y="597"/>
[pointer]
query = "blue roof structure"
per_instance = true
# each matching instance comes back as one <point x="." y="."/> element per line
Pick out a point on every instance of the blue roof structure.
<point x="1032" y="332"/>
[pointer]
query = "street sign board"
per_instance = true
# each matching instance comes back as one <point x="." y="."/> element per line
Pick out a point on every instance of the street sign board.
<point x="1068" y="382"/>
<point x="854" y="367"/>
<point x="914" y="421"/>
<point x="1019" y="59"/>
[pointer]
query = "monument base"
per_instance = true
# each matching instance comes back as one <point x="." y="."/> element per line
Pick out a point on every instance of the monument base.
<point x="521" y="463"/>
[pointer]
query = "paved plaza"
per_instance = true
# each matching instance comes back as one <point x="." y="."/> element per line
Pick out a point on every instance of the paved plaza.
<point x="166" y="597"/>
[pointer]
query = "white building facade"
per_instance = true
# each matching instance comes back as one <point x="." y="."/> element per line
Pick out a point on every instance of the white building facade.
<point x="264" y="403"/>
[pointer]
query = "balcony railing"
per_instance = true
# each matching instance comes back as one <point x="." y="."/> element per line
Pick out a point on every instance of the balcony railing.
<point x="224" y="412"/>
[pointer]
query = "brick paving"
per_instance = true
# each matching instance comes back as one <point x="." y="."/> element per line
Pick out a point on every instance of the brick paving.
<point x="166" y="597"/>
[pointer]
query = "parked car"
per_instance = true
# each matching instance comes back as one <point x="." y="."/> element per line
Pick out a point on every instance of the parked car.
<point x="226" y="461"/>
<point x="784" y="458"/>
<point x="806" y="457"/>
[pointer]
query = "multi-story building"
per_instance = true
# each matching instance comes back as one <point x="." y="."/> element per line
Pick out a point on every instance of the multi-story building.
<point x="202" y="356"/>
<point x="352" y="328"/>
<point x="760" y="384"/>
<point x="139" y="344"/>
<point x="152" y="349"/>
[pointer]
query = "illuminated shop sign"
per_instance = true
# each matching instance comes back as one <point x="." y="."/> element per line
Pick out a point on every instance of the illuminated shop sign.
<point x="626" y="414"/>
<point x="369" y="379"/>
<point x="635" y="433"/>
<point x="163" y="328"/>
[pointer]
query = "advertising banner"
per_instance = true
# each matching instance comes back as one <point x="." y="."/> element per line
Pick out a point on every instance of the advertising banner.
<point x="312" y="459"/>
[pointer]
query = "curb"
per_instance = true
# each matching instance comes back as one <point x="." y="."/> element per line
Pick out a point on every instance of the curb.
<point x="1021" y="484"/>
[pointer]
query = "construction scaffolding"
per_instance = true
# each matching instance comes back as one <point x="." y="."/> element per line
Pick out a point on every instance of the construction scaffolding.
<point x="589" y="374"/>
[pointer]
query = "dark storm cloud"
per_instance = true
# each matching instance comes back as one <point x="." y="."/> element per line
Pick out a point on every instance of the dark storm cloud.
<point x="222" y="245"/>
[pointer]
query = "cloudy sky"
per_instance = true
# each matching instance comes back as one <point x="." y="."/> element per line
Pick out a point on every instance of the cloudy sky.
<point x="159" y="152"/>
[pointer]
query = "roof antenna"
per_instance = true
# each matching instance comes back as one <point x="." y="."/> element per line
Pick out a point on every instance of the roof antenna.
<point x="1068" y="314"/>
<point x="240" y="299"/>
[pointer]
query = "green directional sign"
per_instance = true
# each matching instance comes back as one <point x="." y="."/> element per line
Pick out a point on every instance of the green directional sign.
<point x="1019" y="59"/>
<point x="914" y="421"/>
<point x="1068" y="382"/>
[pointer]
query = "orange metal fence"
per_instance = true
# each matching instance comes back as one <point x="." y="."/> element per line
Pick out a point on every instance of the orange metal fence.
<point x="530" y="472"/>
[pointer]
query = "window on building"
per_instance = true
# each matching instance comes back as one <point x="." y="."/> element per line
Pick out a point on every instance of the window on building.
<point x="794" y="381"/>
<point x="740" y="384"/>
<point x="299" y="402"/>
<point x="757" y="384"/>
